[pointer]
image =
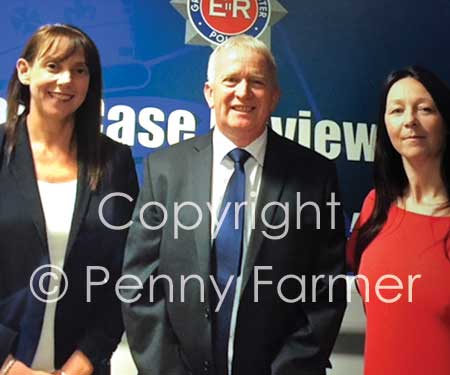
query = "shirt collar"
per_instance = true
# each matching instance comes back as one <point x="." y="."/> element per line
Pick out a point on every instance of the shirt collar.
<point x="222" y="146"/>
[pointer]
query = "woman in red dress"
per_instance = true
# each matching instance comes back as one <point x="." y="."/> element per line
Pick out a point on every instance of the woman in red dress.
<point x="401" y="245"/>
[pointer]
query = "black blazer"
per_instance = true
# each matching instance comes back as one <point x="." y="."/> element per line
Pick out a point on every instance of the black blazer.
<point x="95" y="328"/>
<point x="272" y="336"/>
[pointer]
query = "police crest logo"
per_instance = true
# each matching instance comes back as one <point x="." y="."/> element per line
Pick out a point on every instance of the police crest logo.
<point x="211" y="22"/>
<point x="215" y="20"/>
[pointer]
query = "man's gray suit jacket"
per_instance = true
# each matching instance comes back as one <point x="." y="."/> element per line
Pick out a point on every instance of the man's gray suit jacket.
<point x="170" y="333"/>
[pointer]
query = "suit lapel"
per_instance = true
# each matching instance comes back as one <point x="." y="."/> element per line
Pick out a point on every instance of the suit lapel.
<point x="273" y="179"/>
<point x="201" y="193"/>
<point x="21" y="167"/>
<point x="81" y="205"/>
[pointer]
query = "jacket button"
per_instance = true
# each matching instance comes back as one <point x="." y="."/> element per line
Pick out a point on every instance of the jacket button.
<point x="207" y="315"/>
<point x="206" y="366"/>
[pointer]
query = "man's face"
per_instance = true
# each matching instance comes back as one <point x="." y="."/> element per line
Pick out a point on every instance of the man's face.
<point x="243" y="93"/>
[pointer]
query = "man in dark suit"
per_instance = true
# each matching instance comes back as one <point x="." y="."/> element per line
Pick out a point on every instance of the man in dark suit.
<point x="240" y="290"/>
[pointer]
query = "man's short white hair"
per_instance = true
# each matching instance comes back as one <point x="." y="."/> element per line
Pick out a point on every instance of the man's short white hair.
<point x="243" y="42"/>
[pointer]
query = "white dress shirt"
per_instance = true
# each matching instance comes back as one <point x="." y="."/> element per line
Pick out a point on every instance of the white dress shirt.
<point x="222" y="170"/>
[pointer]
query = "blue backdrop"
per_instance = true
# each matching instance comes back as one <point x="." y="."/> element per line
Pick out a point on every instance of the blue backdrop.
<point x="332" y="57"/>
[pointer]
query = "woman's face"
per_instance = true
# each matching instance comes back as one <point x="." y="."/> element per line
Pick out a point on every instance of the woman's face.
<point x="414" y="124"/>
<point x="57" y="86"/>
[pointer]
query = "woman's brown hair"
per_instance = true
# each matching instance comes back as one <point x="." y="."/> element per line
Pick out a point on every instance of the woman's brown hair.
<point x="87" y="117"/>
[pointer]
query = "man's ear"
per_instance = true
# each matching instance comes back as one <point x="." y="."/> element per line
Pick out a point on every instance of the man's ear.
<point x="23" y="71"/>
<point x="275" y="98"/>
<point x="208" y="92"/>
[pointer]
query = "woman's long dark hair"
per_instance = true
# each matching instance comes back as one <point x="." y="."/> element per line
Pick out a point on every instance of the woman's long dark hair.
<point x="87" y="116"/>
<point x="389" y="175"/>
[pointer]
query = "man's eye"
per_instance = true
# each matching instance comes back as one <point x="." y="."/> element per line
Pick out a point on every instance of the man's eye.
<point x="396" y="110"/>
<point x="230" y="80"/>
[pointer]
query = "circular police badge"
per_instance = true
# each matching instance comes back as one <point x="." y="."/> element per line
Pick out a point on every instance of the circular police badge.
<point x="216" y="20"/>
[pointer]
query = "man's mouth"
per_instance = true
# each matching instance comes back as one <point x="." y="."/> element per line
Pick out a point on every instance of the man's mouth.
<point x="243" y="108"/>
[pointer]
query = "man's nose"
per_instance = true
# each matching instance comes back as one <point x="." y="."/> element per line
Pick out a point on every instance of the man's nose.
<point x="243" y="89"/>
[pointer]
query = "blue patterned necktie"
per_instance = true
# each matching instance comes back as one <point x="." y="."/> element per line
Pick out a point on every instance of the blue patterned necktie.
<point x="228" y="253"/>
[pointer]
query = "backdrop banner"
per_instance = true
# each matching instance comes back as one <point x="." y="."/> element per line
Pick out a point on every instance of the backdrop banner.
<point x="332" y="57"/>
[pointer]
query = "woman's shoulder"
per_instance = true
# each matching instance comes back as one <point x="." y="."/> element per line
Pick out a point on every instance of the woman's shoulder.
<point x="114" y="154"/>
<point x="110" y="146"/>
<point x="117" y="159"/>
<point x="366" y="211"/>
<point x="2" y="132"/>
<point x="371" y="195"/>
<point x="2" y="140"/>
<point x="368" y="204"/>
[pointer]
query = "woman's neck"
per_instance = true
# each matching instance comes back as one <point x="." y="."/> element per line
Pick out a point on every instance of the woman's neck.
<point x="51" y="134"/>
<point x="426" y="192"/>
<point x="53" y="148"/>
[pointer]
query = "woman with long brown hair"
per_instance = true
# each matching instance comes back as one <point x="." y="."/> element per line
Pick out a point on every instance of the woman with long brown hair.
<point x="56" y="168"/>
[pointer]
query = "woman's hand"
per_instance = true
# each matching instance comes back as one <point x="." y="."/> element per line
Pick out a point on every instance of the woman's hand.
<point x="20" y="368"/>
<point x="77" y="364"/>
